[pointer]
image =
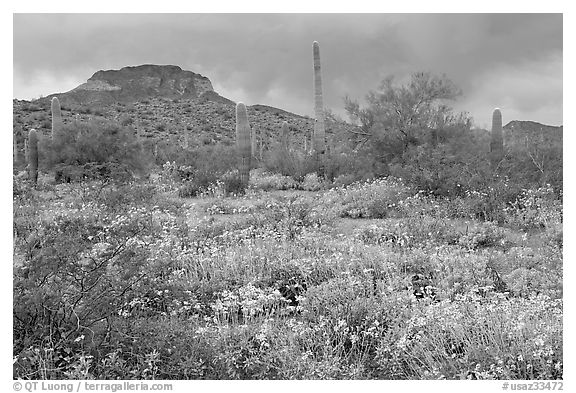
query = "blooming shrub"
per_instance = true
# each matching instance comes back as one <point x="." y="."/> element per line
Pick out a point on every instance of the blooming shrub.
<point x="535" y="208"/>
<point x="373" y="199"/>
<point x="266" y="181"/>
<point x="486" y="234"/>
<point x="311" y="182"/>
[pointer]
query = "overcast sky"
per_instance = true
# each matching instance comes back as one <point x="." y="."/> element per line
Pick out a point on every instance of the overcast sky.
<point x="511" y="61"/>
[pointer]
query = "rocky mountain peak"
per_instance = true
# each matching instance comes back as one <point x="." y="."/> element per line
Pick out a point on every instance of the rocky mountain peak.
<point x="131" y="84"/>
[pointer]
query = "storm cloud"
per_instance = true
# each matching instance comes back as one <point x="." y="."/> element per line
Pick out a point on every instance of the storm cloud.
<point x="511" y="61"/>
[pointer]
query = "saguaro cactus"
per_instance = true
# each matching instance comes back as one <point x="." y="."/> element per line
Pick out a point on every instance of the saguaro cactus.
<point x="33" y="156"/>
<point x="253" y="146"/>
<point x="56" y="119"/>
<point x="17" y="139"/>
<point x="261" y="145"/>
<point x="285" y="135"/>
<point x="318" y="143"/>
<point x="243" y="143"/>
<point x="496" y="140"/>
<point x="16" y="151"/>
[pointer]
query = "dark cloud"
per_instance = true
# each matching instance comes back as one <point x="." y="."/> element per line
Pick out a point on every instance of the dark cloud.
<point x="508" y="60"/>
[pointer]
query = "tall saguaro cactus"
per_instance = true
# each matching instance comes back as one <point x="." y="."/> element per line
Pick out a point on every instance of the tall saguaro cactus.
<point x="318" y="143"/>
<point x="285" y="135"/>
<point x="33" y="156"/>
<point x="56" y="119"/>
<point x="496" y="139"/>
<point x="243" y="143"/>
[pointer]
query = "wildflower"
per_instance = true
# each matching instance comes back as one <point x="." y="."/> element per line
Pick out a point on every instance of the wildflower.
<point x="80" y="338"/>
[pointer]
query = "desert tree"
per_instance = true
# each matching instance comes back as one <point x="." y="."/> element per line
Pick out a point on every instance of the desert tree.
<point x="400" y="115"/>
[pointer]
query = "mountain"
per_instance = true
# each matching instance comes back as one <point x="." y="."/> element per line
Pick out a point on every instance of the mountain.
<point x="530" y="126"/>
<point x="131" y="84"/>
<point x="162" y="102"/>
<point x="538" y="133"/>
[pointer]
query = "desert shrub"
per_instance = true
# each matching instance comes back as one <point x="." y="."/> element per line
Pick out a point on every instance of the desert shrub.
<point x="448" y="169"/>
<point x="266" y="181"/>
<point x="204" y="179"/>
<point x="232" y="183"/>
<point x="206" y="169"/>
<point x="103" y="172"/>
<point x="335" y="297"/>
<point x="189" y="189"/>
<point x="373" y="199"/>
<point x="487" y="204"/>
<point x="217" y="159"/>
<point x="311" y="182"/>
<point x="95" y="143"/>
<point x="76" y="274"/>
<point x="343" y="161"/>
<point x="192" y="182"/>
<point x="293" y="163"/>
<point x="483" y="235"/>
<point x="534" y="209"/>
<point x="291" y="216"/>
<point x="183" y="172"/>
